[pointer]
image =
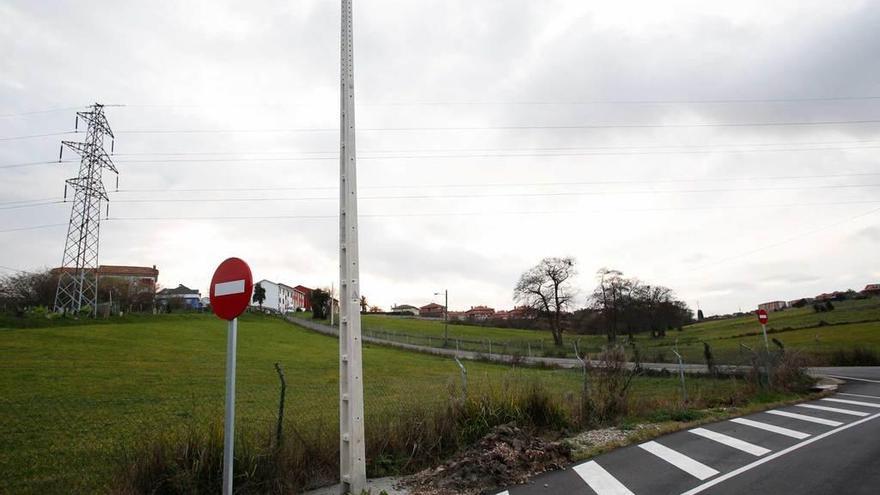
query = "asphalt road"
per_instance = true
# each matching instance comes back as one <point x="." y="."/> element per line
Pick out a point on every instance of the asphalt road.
<point x="827" y="446"/>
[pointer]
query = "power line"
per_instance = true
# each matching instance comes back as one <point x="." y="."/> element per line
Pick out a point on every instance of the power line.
<point x="33" y="136"/>
<point x="513" y="184"/>
<point x="507" y="127"/>
<point x="787" y="240"/>
<point x="34" y="227"/>
<point x="524" y="102"/>
<point x="30" y="205"/>
<point x="468" y="196"/>
<point x="31" y="164"/>
<point x="450" y="156"/>
<point x="487" y="185"/>
<point x="508" y="149"/>
<point x="504" y="195"/>
<point x="456" y="214"/>
<point x="37" y="112"/>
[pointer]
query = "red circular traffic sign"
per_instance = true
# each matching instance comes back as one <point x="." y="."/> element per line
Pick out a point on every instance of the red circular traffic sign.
<point x="762" y="316"/>
<point x="231" y="288"/>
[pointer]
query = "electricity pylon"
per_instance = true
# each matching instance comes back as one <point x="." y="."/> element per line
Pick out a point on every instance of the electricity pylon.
<point x="78" y="280"/>
<point x="352" y="462"/>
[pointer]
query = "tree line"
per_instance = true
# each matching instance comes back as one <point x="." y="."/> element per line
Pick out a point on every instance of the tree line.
<point x="616" y="305"/>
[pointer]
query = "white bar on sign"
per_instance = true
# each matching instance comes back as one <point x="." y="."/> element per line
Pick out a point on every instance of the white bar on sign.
<point x="803" y="417"/>
<point x="690" y="466"/>
<point x="600" y="480"/>
<point x="771" y="428"/>
<point x="730" y="441"/>
<point x="229" y="288"/>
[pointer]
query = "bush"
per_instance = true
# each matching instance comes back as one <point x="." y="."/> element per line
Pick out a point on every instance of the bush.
<point x="855" y="356"/>
<point x="790" y="373"/>
<point x="190" y="461"/>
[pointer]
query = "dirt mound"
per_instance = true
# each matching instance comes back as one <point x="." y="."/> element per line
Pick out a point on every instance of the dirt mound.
<point x="504" y="457"/>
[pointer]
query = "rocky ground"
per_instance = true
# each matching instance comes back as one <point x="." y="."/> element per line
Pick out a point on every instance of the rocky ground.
<point x="509" y="456"/>
<point x="504" y="457"/>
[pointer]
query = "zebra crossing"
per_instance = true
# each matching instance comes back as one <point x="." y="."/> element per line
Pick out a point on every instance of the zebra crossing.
<point x="683" y="461"/>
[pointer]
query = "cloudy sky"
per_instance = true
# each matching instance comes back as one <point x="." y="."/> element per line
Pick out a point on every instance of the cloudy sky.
<point x="724" y="149"/>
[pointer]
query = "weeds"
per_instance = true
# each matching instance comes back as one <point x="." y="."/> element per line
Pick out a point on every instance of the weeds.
<point x="855" y="356"/>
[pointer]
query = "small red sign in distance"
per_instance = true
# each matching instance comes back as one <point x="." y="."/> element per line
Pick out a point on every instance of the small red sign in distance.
<point x="231" y="288"/>
<point x="762" y="316"/>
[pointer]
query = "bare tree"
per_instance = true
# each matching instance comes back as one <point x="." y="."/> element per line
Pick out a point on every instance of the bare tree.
<point x="364" y="304"/>
<point x="628" y="305"/>
<point x="606" y="298"/>
<point x="547" y="288"/>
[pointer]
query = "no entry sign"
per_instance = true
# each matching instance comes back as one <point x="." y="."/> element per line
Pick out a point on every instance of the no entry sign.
<point x="762" y="316"/>
<point x="231" y="288"/>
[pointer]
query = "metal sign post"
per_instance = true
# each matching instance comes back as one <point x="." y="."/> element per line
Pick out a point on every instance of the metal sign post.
<point x="229" y="417"/>
<point x="763" y="318"/>
<point x="231" y="289"/>
<point x="352" y="458"/>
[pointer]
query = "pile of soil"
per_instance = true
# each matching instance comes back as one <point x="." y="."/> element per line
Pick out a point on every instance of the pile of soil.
<point x="504" y="457"/>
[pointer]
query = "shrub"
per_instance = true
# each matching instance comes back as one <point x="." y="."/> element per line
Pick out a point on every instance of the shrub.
<point x="190" y="460"/>
<point x="855" y="356"/>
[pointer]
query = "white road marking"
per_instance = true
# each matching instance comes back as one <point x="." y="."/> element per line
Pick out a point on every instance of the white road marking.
<point x="600" y="480"/>
<point x="736" y="443"/>
<point x="229" y="288"/>
<point x="505" y="492"/>
<point x="692" y="467"/>
<point x="803" y="417"/>
<point x="860" y="395"/>
<point x="834" y="410"/>
<point x="748" y="467"/>
<point x="771" y="428"/>
<point x="853" y="378"/>
<point x="854" y="402"/>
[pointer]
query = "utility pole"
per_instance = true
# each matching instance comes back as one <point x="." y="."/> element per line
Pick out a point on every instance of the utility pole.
<point x="445" y="317"/>
<point x="78" y="280"/>
<point x="352" y="459"/>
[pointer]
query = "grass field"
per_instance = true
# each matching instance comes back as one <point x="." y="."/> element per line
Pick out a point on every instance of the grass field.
<point x="469" y="337"/>
<point x="851" y="323"/>
<point x="75" y="396"/>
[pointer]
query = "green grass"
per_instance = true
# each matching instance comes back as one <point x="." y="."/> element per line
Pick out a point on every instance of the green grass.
<point x="470" y="337"/>
<point x="850" y="324"/>
<point x="75" y="396"/>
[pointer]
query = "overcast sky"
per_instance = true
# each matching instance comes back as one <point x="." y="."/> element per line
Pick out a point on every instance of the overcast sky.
<point x="604" y="102"/>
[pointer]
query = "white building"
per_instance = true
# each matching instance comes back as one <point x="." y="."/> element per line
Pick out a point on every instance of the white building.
<point x="279" y="297"/>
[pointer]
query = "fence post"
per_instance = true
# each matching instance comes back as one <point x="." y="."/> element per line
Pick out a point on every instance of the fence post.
<point x="586" y="400"/>
<point x="278" y="429"/>
<point x="490" y="348"/>
<point x="684" y="392"/>
<point x="463" y="379"/>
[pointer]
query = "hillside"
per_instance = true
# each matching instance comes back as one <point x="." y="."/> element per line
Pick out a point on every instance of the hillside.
<point x="77" y="396"/>
<point x="851" y="324"/>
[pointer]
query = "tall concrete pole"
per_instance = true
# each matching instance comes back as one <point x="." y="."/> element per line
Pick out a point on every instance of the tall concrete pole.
<point x="352" y="462"/>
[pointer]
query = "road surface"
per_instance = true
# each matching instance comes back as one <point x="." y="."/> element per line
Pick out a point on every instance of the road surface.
<point x="826" y="446"/>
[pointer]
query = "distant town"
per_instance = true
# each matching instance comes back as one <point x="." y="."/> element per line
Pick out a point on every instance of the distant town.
<point x="289" y="298"/>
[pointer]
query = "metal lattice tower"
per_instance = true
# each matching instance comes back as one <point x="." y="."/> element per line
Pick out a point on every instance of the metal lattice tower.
<point x="352" y="459"/>
<point x="78" y="280"/>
